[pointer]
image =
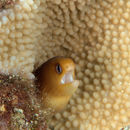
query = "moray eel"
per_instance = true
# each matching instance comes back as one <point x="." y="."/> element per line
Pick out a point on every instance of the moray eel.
<point x="57" y="83"/>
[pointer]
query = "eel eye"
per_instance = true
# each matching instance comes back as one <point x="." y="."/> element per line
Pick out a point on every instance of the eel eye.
<point x="58" y="69"/>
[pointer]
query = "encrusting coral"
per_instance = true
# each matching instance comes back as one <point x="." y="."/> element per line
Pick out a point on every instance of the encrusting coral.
<point x="20" y="108"/>
<point x="6" y="3"/>
<point x="96" y="34"/>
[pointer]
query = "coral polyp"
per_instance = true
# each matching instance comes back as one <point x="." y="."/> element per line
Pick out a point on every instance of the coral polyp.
<point x="95" y="34"/>
<point x="4" y="4"/>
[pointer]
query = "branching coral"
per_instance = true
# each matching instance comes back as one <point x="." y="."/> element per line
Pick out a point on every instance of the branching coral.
<point x="96" y="34"/>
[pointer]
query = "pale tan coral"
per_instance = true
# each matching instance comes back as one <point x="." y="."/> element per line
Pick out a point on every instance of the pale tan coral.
<point x="96" y="34"/>
<point x="16" y="38"/>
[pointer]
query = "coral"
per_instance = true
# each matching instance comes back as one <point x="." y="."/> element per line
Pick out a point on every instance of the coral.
<point x="6" y="3"/>
<point x="95" y="34"/>
<point x="20" y="108"/>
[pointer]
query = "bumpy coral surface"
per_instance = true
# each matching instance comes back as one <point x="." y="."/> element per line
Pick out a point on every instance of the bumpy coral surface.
<point x="6" y="3"/>
<point x="96" y="34"/>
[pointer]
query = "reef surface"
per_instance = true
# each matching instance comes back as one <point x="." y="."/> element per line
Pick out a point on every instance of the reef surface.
<point x="20" y="108"/>
<point x="96" y="34"/>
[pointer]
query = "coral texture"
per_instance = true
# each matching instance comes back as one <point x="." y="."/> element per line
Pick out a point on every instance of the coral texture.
<point x="95" y="33"/>
<point x="6" y="3"/>
<point x="20" y="108"/>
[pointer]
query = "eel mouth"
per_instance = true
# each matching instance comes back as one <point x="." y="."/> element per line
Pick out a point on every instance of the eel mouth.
<point x="68" y="77"/>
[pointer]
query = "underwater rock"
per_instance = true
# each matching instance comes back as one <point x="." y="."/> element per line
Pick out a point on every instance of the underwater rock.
<point x="20" y="108"/>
